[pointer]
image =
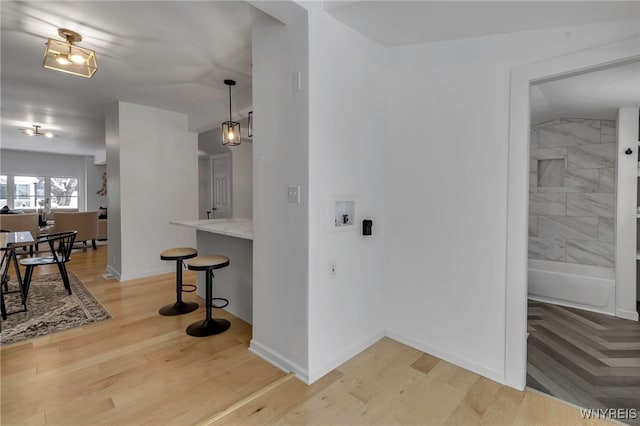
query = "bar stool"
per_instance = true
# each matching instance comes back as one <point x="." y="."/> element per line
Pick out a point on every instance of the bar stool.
<point x="179" y="254"/>
<point x="209" y="326"/>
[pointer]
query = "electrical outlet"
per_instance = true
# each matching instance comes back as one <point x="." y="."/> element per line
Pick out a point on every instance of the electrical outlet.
<point x="332" y="271"/>
<point x="293" y="194"/>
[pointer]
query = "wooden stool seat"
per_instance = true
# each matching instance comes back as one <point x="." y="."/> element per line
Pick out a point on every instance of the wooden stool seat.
<point x="209" y="326"/>
<point x="211" y="261"/>
<point x="179" y="254"/>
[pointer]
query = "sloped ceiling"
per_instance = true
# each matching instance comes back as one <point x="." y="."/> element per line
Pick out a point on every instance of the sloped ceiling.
<point x="591" y="95"/>
<point x="168" y="55"/>
<point x="400" y="23"/>
<point x="596" y="94"/>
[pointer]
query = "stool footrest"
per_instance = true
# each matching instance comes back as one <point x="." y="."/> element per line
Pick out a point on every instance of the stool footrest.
<point x="191" y="288"/>
<point x="225" y="302"/>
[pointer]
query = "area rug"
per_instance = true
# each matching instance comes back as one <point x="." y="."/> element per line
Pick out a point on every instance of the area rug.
<point x="50" y="309"/>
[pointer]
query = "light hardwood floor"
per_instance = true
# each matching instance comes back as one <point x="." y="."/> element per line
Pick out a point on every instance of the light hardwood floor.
<point x="142" y="369"/>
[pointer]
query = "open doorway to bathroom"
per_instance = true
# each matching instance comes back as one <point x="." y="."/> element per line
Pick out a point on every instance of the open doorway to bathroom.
<point x="583" y="345"/>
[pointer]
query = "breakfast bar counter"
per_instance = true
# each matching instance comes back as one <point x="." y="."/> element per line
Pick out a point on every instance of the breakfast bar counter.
<point x="234" y="239"/>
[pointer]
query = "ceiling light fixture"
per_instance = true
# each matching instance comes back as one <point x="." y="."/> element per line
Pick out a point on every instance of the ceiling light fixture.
<point x="230" y="129"/>
<point x="36" y="132"/>
<point x="65" y="56"/>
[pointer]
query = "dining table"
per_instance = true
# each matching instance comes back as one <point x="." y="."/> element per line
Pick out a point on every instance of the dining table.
<point x="9" y="242"/>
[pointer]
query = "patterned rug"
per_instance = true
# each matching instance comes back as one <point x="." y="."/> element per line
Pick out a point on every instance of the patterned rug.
<point x="50" y="309"/>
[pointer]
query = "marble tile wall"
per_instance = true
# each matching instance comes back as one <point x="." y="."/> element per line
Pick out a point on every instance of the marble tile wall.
<point x="572" y="191"/>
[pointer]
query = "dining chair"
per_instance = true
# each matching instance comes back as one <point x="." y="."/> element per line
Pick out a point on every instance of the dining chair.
<point x="60" y="244"/>
<point x="5" y="277"/>
<point x="7" y="249"/>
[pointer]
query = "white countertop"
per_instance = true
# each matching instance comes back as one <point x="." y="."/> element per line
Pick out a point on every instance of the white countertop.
<point x="240" y="228"/>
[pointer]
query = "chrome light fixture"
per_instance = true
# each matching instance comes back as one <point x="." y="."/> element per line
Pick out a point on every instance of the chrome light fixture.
<point x="230" y="129"/>
<point x="36" y="132"/>
<point x="65" y="56"/>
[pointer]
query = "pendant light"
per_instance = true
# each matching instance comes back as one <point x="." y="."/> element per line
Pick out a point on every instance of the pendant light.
<point x="230" y="129"/>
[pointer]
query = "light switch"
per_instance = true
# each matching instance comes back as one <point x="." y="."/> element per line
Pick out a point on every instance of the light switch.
<point x="297" y="81"/>
<point x="294" y="194"/>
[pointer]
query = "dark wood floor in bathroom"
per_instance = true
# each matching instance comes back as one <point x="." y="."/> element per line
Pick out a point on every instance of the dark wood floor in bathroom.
<point x="587" y="359"/>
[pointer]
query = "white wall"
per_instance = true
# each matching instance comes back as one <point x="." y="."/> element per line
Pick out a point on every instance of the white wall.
<point x="114" y="229"/>
<point x="346" y="136"/>
<point x="158" y="182"/>
<point x="280" y="158"/>
<point x="211" y="142"/>
<point x="242" y="180"/>
<point x="446" y="178"/>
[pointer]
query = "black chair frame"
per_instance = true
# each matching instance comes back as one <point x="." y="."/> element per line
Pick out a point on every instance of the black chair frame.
<point x="61" y="245"/>
<point x="9" y="257"/>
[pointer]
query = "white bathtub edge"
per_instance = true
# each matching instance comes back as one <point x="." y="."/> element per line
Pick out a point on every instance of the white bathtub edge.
<point x="569" y="285"/>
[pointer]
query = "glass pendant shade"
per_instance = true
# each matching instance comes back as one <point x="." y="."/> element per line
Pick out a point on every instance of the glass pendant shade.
<point x="230" y="133"/>
<point x="65" y="56"/>
<point x="230" y="128"/>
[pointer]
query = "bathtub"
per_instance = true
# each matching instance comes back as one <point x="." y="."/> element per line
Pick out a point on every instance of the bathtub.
<point x="578" y="286"/>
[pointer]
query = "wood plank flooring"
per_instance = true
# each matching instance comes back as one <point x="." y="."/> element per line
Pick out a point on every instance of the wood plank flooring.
<point x="140" y="368"/>
<point x="587" y="359"/>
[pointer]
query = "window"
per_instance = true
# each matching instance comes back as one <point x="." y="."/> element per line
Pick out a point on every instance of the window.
<point x="64" y="193"/>
<point x="4" y="197"/>
<point x="27" y="192"/>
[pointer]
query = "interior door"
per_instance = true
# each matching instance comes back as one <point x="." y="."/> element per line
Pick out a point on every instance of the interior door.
<point x="221" y="186"/>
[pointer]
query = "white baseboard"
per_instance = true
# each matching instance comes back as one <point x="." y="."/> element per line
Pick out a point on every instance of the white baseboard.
<point x="144" y="274"/>
<point x="237" y="314"/>
<point x="627" y="314"/>
<point x="278" y="360"/>
<point x="336" y="362"/>
<point x="438" y="353"/>
<point x="111" y="270"/>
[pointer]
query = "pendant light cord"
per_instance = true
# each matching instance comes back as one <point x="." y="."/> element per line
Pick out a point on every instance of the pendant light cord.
<point x="230" y="121"/>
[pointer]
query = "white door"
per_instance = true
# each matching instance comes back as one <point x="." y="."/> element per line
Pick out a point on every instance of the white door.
<point x="221" y="186"/>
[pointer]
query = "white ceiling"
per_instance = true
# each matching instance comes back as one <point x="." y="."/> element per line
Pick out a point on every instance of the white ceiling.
<point x="169" y="55"/>
<point x="596" y="95"/>
<point x="175" y="55"/>
<point x="398" y="23"/>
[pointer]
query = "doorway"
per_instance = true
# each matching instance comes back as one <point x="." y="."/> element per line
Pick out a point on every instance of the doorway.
<point x="518" y="204"/>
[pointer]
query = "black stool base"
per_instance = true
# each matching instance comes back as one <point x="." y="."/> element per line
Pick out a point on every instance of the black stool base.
<point x="178" y="308"/>
<point x="208" y="327"/>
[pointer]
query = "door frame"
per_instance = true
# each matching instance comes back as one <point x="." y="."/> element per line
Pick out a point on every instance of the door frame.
<point x="522" y="78"/>
<point x="226" y="155"/>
